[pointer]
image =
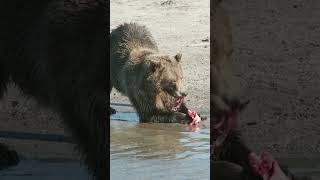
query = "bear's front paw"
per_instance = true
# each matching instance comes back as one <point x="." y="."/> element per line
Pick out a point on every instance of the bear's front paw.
<point x="112" y="111"/>
<point x="8" y="157"/>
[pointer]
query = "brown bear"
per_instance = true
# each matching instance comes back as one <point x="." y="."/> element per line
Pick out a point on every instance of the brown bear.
<point x="55" y="52"/>
<point x="152" y="81"/>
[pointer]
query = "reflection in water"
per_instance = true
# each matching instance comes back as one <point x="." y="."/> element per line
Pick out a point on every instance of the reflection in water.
<point x="157" y="151"/>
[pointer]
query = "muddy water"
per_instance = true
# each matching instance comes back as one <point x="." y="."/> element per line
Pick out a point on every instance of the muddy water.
<point x="157" y="151"/>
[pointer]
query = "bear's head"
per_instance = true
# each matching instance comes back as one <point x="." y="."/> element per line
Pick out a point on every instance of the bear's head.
<point x="165" y="74"/>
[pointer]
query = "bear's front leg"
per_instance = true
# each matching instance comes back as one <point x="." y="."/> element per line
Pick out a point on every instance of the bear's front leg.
<point x="8" y="157"/>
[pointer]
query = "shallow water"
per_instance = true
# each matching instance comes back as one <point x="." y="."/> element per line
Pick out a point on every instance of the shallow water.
<point x="148" y="151"/>
<point x="157" y="151"/>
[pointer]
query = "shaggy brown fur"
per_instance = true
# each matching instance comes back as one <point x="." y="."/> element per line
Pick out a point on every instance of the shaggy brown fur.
<point x="152" y="81"/>
<point x="55" y="52"/>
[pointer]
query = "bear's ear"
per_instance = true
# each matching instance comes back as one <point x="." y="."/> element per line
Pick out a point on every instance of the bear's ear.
<point x="178" y="57"/>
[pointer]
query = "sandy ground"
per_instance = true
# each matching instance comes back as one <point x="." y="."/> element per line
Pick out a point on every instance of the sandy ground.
<point x="276" y="63"/>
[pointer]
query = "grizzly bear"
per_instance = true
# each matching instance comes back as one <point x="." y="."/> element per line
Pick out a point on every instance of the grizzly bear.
<point x="151" y="80"/>
<point x="55" y="52"/>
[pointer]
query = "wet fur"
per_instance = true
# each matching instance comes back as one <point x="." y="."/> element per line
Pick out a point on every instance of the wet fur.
<point x="140" y="72"/>
<point x="55" y="52"/>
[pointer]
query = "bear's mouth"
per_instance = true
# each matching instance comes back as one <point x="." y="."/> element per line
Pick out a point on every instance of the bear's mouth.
<point x="178" y="102"/>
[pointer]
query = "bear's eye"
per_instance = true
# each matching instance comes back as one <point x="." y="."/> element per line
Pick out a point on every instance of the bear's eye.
<point x="169" y="86"/>
<point x="172" y="85"/>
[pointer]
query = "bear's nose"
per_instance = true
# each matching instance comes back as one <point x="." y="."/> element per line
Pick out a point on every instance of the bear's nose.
<point x="184" y="94"/>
